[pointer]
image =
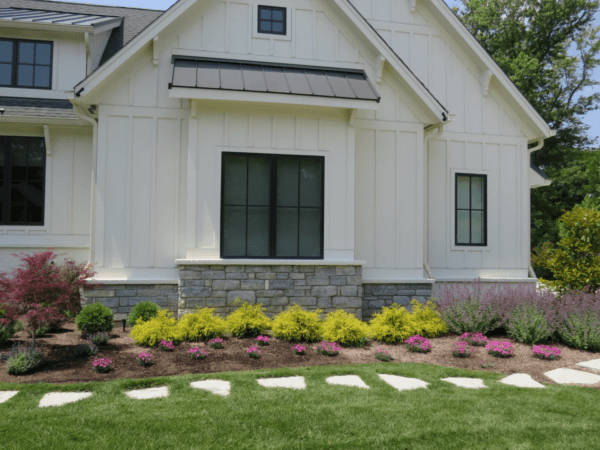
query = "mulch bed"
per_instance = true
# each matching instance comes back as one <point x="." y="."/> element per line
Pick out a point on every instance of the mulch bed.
<point x="61" y="367"/>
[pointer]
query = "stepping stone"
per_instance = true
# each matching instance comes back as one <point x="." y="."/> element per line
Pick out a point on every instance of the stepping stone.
<point x="286" y="382"/>
<point x="62" y="398"/>
<point x="144" y="394"/>
<point x="347" y="380"/>
<point x="218" y="387"/>
<point x="566" y="376"/>
<point x="521" y="380"/>
<point x="403" y="383"/>
<point x="593" y="364"/>
<point x="469" y="383"/>
<point x="7" y="395"/>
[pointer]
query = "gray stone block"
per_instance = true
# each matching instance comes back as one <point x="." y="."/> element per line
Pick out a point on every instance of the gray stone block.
<point x="297" y="276"/>
<point x="324" y="302"/>
<point x="283" y="276"/>
<point x="405" y="292"/>
<point x="213" y="275"/>
<point x="425" y="292"/>
<point x="385" y="289"/>
<point x="266" y="276"/>
<point x="282" y="269"/>
<point x="252" y="276"/>
<point x="346" y="302"/>
<point x="189" y="274"/>
<point x="161" y="301"/>
<point x="216" y="267"/>
<point x="235" y="269"/>
<point x="219" y="294"/>
<point x="368" y="289"/>
<point x="304" y="301"/>
<point x="281" y="284"/>
<point x="273" y="310"/>
<point x="354" y="280"/>
<point x="280" y="301"/>
<point x="124" y="309"/>
<point x="149" y="293"/>
<point x="265" y="301"/>
<point x="124" y="301"/>
<point x="236" y="276"/>
<point x="195" y="303"/>
<point x="193" y="283"/>
<point x="269" y="293"/>
<point x="245" y="296"/>
<point x="254" y="285"/>
<point x="299" y="283"/>
<point x="350" y="291"/>
<point x="307" y="269"/>
<point x="225" y="285"/>
<point x="258" y="269"/>
<point x="294" y="293"/>
<point x="325" y="271"/>
<point x="345" y="270"/>
<point x="317" y="281"/>
<point x="375" y="304"/>
<point x="104" y="293"/>
<point x="195" y="292"/>
<point x="208" y="283"/>
<point x="213" y="302"/>
<point x="338" y="281"/>
<point x="125" y="292"/>
<point x="111" y="302"/>
<point x="324" y="291"/>
<point x="401" y="300"/>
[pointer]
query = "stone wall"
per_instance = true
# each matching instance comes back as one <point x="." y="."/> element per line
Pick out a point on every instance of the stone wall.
<point x="310" y="286"/>
<point x="122" y="297"/>
<point x="376" y="296"/>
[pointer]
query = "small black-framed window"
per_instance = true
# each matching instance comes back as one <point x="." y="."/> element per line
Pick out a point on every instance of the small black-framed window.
<point x="22" y="180"/>
<point x="272" y="206"/>
<point x="26" y="63"/>
<point x="272" y="20"/>
<point x="470" y="209"/>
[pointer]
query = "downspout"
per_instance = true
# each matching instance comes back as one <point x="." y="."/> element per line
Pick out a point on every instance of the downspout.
<point x="81" y="113"/>
<point x="531" y="150"/>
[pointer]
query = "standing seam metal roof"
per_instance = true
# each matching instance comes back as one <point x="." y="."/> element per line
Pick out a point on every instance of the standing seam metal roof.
<point x="52" y="17"/>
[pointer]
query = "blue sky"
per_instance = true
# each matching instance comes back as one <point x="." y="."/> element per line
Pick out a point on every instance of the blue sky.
<point x="592" y="119"/>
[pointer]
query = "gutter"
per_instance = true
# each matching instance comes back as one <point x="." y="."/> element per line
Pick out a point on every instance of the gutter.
<point x="81" y="113"/>
<point x="531" y="150"/>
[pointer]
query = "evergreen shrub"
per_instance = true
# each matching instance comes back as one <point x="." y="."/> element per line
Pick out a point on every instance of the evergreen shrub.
<point x="201" y="325"/>
<point x="162" y="327"/>
<point x="426" y="320"/>
<point x="297" y="325"/>
<point x="146" y="310"/>
<point x="248" y="321"/>
<point x="95" y="318"/>
<point x="345" y="329"/>
<point x="393" y="324"/>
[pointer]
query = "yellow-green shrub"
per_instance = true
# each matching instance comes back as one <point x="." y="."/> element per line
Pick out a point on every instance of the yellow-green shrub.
<point x="426" y="320"/>
<point x="150" y="333"/>
<point x="248" y="321"/>
<point x="296" y="325"/>
<point x="344" y="328"/>
<point x="201" y="326"/>
<point x="393" y="324"/>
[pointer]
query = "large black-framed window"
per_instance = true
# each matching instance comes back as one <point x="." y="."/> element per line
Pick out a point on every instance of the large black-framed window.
<point x="470" y="209"/>
<point x="272" y="20"/>
<point x="272" y="206"/>
<point x="22" y="180"/>
<point x="26" y="63"/>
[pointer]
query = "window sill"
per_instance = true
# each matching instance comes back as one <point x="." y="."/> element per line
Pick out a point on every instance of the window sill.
<point x="267" y="262"/>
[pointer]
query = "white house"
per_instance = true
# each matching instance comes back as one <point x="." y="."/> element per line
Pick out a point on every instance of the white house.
<point x="331" y="153"/>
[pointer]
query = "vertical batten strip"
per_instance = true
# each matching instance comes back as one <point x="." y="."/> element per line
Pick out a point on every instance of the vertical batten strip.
<point x="152" y="240"/>
<point x="127" y="253"/>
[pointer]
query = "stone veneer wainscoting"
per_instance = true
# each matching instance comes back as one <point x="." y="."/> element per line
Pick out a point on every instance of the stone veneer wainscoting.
<point x="275" y="286"/>
<point x="377" y="295"/>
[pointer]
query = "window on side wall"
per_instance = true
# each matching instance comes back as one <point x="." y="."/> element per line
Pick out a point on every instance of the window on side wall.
<point x="25" y="64"/>
<point x="272" y="206"/>
<point x="271" y="20"/>
<point x="22" y="180"/>
<point x="471" y="210"/>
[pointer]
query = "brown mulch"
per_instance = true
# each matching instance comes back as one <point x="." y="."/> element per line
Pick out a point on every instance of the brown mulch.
<point x="61" y="367"/>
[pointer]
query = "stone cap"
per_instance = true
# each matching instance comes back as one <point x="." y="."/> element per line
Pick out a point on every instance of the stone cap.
<point x="267" y="262"/>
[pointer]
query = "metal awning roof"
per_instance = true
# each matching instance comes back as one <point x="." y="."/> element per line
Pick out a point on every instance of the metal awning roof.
<point x="60" y="20"/>
<point x="204" y="73"/>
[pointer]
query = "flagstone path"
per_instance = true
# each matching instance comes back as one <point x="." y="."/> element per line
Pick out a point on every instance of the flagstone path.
<point x="223" y="388"/>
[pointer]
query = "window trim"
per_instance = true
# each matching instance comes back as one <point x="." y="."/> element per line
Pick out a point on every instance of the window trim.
<point x="15" y="64"/>
<point x="273" y="207"/>
<point x="273" y="37"/>
<point x="455" y="208"/>
<point x="272" y="8"/>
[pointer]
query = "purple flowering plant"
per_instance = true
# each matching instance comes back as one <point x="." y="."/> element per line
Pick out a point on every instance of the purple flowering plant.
<point x="253" y="352"/>
<point x="197" y="353"/>
<point x="383" y="355"/>
<point x="216" y="343"/>
<point x="166" y="346"/>
<point x="545" y="352"/>
<point x="462" y="349"/>
<point x="263" y="341"/>
<point x="500" y="349"/>
<point x="477" y="339"/>
<point x="328" y="348"/>
<point x="103" y="365"/>
<point x="418" y="344"/>
<point x="145" y="359"/>
<point x="298" y="350"/>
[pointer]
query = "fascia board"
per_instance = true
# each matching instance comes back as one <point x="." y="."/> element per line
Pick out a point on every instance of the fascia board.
<point x="133" y="46"/>
<point x="408" y="77"/>
<point x="42" y="120"/>
<point x="261" y="97"/>
<point x="486" y="60"/>
<point x="107" y="25"/>
<point x="47" y="26"/>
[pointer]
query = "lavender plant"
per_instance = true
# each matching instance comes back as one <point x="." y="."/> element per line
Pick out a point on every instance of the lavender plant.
<point x="23" y="358"/>
<point x="578" y="315"/>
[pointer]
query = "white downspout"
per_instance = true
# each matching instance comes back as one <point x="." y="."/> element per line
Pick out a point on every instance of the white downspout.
<point x="80" y="113"/>
<point x="531" y="150"/>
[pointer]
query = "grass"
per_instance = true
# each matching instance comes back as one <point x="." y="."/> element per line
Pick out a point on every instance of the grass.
<point x="443" y="416"/>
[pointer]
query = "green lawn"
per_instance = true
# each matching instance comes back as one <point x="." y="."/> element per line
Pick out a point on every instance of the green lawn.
<point x="443" y="416"/>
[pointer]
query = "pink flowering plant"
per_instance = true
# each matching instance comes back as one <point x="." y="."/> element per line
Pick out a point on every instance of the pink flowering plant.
<point x="253" y="352"/>
<point x="462" y="349"/>
<point x="145" y="359"/>
<point x="418" y="344"/>
<point x="500" y="349"/>
<point x="216" y="343"/>
<point x="328" y="348"/>
<point x="197" y="353"/>
<point x="383" y="355"/>
<point x="477" y="339"/>
<point x="545" y="352"/>
<point x="263" y="341"/>
<point x="298" y="350"/>
<point x="166" y="346"/>
<point x="103" y="365"/>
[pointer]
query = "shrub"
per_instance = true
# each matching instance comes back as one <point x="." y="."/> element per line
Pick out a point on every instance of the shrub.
<point x="99" y="338"/>
<point x="23" y="359"/>
<point x="426" y="320"/>
<point x="103" y="365"/>
<point x="145" y="359"/>
<point x="145" y="310"/>
<point x="545" y="352"/>
<point x="297" y="325"/>
<point x="161" y="327"/>
<point x="418" y="344"/>
<point x="461" y="349"/>
<point x="344" y="328"/>
<point x="383" y="355"/>
<point x="95" y="318"/>
<point x="216" y="343"/>
<point x="328" y="348"/>
<point x="500" y="349"/>
<point x="88" y="349"/>
<point x="579" y="320"/>
<point x="197" y="353"/>
<point x="528" y="324"/>
<point x="248" y="321"/>
<point x="253" y="352"/>
<point x="539" y="257"/>
<point x="393" y="324"/>
<point x="201" y="326"/>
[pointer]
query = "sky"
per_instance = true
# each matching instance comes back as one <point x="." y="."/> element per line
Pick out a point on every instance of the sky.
<point x="592" y="119"/>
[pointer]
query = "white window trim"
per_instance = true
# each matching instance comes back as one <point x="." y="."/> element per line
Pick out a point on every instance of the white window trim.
<point x="452" y="207"/>
<point x="272" y="37"/>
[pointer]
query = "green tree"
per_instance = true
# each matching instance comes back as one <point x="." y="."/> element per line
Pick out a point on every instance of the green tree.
<point x="530" y="40"/>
